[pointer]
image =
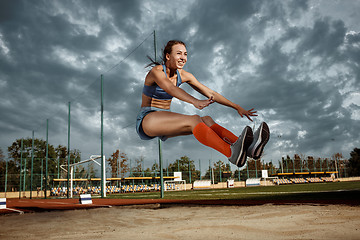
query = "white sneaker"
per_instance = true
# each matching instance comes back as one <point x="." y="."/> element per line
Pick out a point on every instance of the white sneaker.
<point x="261" y="137"/>
<point x="239" y="148"/>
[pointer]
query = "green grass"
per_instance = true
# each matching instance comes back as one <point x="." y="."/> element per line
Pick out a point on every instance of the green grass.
<point x="336" y="190"/>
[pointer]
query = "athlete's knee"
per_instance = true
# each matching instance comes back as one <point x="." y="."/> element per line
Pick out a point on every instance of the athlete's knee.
<point x="195" y="119"/>
<point x="208" y="120"/>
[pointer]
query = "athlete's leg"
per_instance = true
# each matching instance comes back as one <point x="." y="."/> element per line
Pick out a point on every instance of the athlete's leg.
<point x="208" y="120"/>
<point x="163" y="123"/>
<point x="239" y="145"/>
<point x="222" y="132"/>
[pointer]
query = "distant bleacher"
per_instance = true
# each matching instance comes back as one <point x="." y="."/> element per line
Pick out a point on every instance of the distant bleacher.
<point x="281" y="181"/>
<point x="62" y="191"/>
<point x="328" y="179"/>
<point x="302" y="180"/>
<point x="314" y="180"/>
<point x="136" y="188"/>
<point x="298" y="180"/>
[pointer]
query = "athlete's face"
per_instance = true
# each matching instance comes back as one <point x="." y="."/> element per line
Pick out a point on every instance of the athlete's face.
<point x="178" y="56"/>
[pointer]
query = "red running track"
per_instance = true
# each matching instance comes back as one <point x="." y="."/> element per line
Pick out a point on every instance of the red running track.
<point x="41" y="205"/>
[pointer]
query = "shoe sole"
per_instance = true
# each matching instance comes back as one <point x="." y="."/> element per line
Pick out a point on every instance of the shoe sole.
<point x="246" y="142"/>
<point x="262" y="140"/>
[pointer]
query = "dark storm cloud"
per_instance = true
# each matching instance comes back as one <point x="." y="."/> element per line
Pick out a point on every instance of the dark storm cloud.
<point x="311" y="102"/>
<point x="32" y="38"/>
<point x="324" y="38"/>
<point x="296" y="65"/>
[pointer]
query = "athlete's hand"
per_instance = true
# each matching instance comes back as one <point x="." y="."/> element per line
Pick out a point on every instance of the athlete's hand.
<point x="246" y="113"/>
<point x="200" y="104"/>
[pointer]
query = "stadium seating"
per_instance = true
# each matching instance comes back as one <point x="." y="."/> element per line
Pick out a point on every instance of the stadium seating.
<point x="135" y="188"/>
<point x="327" y="179"/>
<point x="314" y="180"/>
<point x="282" y="181"/>
<point x="170" y="186"/>
<point x="62" y="191"/>
<point x="59" y="192"/>
<point x="302" y="180"/>
<point x="298" y="180"/>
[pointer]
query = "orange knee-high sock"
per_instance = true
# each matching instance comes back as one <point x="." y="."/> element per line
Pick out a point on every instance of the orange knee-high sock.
<point x="225" y="134"/>
<point x="208" y="137"/>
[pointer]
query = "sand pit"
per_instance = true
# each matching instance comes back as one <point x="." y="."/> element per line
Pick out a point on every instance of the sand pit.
<point x="184" y="222"/>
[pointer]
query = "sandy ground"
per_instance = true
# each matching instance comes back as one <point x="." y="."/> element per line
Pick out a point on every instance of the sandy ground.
<point x="184" y="222"/>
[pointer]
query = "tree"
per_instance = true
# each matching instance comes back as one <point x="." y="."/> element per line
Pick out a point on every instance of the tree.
<point x="39" y="149"/>
<point x="118" y="163"/>
<point x="353" y="164"/>
<point x="1" y="155"/>
<point x="56" y="157"/>
<point x="10" y="175"/>
<point x="7" y="170"/>
<point x="91" y="171"/>
<point x="310" y="164"/>
<point x="113" y="163"/>
<point x="287" y="164"/>
<point x="155" y="169"/>
<point x="297" y="163"/>
<point x="2" y="161"/>
<point x="184" y="165"/>
<point x="124" y="166"/>
<point x="254" y="168"/>
<point x="138" y="169"/>
<point x="218" y="169"/>
<point x="271" y="168"/>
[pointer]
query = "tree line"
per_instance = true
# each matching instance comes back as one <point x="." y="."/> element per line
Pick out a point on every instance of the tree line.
<point x="23" y="167"/>
<point x="21" y="161"/>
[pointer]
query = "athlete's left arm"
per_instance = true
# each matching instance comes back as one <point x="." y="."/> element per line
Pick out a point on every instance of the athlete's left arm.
<point x="215" y="96"/>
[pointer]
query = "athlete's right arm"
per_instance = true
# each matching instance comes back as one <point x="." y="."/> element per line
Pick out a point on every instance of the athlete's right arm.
<point x="157" y="75"/>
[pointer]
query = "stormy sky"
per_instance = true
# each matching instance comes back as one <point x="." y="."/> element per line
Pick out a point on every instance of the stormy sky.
<point x="295" y="62"/>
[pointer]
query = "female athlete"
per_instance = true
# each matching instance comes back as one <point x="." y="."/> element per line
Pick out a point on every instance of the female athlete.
<point x="156" y="120"/>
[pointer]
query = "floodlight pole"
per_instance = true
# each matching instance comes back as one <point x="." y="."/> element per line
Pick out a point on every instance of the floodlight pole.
<point x="42" y="174"/>
<point x="155" y="45"/>
<point x="32" y="164"/>
<point x="47" y="154"/>
<point x="159" y="142"/>
<point x="68" y="162"/>
<point x="161" y="170"/>
<point x="103" y="175"/>
<point x="6" y="172"/>
<point x="189" y="171"/>
<point x="21" y="161"/>
<point x="200" y="168"/>
<point x="210" y="170"/>
<point x="71" y="180"/>
<point x="24" y="178"/>
<point x="336" y="168"/>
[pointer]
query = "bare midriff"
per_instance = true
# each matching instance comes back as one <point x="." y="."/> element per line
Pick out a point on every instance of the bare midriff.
<point x="152" y="102"/>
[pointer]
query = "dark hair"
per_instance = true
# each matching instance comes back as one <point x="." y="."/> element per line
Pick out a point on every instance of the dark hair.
<point x="166" y="50"/>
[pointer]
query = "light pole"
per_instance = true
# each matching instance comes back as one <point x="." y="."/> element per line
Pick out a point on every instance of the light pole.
<point x="281" y="162"/>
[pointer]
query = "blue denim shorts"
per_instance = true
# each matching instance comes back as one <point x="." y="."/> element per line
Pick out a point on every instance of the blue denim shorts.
<point x="143" y="112"/>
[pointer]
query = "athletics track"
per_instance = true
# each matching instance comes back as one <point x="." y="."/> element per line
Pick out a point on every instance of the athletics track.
<point x="41" y="205"/>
